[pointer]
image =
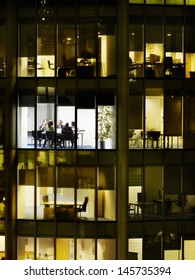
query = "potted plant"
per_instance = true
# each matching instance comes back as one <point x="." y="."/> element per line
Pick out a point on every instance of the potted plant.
<point x="104" y="124"/>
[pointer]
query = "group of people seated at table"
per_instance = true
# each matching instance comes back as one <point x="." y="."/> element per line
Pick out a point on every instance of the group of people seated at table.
<point x="63" y="133"/>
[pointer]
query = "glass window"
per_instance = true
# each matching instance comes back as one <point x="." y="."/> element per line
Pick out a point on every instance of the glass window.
<point x="135" y="246"/>
<point x="66" y="48"/>
<point x="189" y="118"/>
<point x="106" y="249"/>
<point x="46" y="61"/>
<point x="26" y="138"/>
<point x="154" y="43"/>
<point x="45" y="248"/>
<point x="174" y="62"/>
<point x="136" y="44"/>
<point x="65" y="249"/>
<point x="190" y="45"/>
<point x="86" y="192"/>
<point x="2" y="48"/>
<point x="173" y="120"/>
<point x="25" y="248"/>
<point x="85" y="249"/>
<point x="106" y="119"/>
<point x="135" y="118"/>
<point x="45" y="193"/>
<point x="107" y="46"/>
<point x="154" y="121"/>
<point x="26" y="48"/>
<point x="26" y="185"/>
<point x="86" y="41"/>
<point x="46" y="123"/>
<point x="106" y="193"/>
<point x="66" y="126"/>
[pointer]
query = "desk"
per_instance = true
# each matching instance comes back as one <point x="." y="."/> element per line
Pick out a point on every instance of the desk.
<point x="164" y="203"/>
<point x="148" y="205"/>
<point x="65" y="210"/>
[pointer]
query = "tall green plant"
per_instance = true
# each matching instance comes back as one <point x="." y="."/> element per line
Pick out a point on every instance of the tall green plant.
<point x="104" y="122"/>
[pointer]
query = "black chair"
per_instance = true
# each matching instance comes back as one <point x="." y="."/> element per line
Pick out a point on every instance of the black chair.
<point x="181" y="200"/>
<point x="37" y="136"/>
<point x="51" y="65"/>
<point x="50" y="137"/>
<point x="132" y="67"/>
<point x="67" y="138"/>
<point x="83" y="207"/>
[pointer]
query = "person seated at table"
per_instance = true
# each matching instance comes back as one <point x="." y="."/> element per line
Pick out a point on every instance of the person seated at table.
<point x="42" y="128"/>
<point x="67" y="134"/>
<point x="59" y="127"/>
<point x="49" y="127"/>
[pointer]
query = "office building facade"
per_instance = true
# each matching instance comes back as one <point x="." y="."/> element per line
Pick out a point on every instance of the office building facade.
<point x="97" y="146"/>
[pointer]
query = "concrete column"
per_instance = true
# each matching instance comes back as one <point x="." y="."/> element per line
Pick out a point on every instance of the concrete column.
<point x="10" y="129"/>
<point x="122" y="162"/>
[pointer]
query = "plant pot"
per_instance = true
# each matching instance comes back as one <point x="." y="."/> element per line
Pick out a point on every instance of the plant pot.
<point x="102" y="144"/>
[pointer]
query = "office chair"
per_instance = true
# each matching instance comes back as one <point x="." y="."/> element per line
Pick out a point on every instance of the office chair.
<point x="83" y="207"/>
<point x="67" y="137"/>
<point x="181" y="200"/>
<point x="37" y="136"/>
<point x="132" y="67"/>
<point x="51" y="65"/>
<point x="50" y="137"/>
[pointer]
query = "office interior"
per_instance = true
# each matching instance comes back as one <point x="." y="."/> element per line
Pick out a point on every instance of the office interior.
<point x="132" y="161"/>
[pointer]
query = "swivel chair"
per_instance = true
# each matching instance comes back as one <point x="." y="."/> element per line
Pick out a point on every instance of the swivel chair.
<point x="83" y="207"/>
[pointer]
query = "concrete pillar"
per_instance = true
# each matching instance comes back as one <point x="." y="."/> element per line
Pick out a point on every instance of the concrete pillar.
<point x="122" y="162"/>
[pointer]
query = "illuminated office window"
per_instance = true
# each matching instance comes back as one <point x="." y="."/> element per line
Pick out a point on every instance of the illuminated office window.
<point x="174" y="61"/>
<point x="190" y="45"/>
<point x="85" y="249"/>
<point x="65" y="249"/>
<point x="25" y="248"/>
<point x="45" y="200"/>
<point x="135" y="248"/>
<point x="136" y="43"/>
<point x="107" y="46"/>
<point x="136" y="133"/>
<point x="106" y="193"/>
<point x="26" y="185"/>
<point x="173" y="120"/>
<point x="25" y="122"/>
<point x="46" y="62"/>
<point x="154" y="43"/>
<point x="106" y="249"/>
<point x="86" y="39"/>
<point x="154" y="118"/>
<point x="46" y="122"/>
<point x="45" y="248"/>
<point x="26" y="46"/>
<point x="174" y="2"/>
